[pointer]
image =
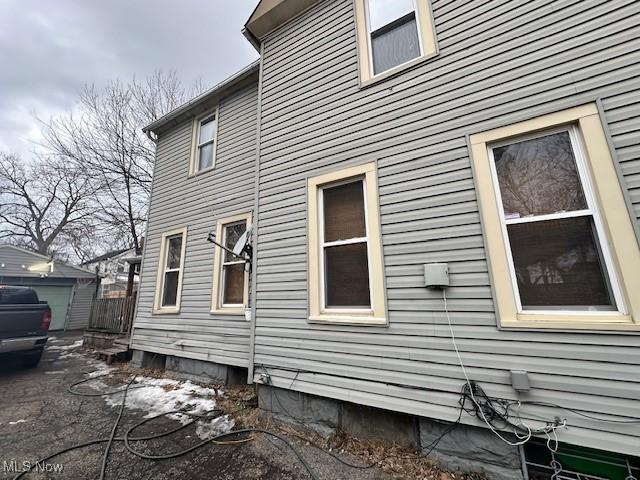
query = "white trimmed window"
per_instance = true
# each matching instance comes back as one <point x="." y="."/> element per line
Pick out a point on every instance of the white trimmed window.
<point x="231" y="274"/>
<point x="562" y="250"/>
<point x="392" y="35"/>
<point x="346" y="283"/>
<point x="170" y="272"/>
<point x="203" y="155"/>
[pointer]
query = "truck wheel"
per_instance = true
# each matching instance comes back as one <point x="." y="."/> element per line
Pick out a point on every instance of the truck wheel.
<point x="32" y="360"/>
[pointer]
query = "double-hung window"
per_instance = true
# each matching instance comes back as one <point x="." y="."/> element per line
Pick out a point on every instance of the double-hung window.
<point x="346" y="282"/>
<point x="203" y="156"/>
<point x="561" y="246"/>
<point x="231" y="274"/>
<point x="393" y="34"/>
<point x="170" y="272"/>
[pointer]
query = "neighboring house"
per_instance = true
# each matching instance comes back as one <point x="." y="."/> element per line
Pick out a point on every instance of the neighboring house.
<point x="69" y="290"/>
<point x="499" y="138"/>
<point x="113" y="269"/>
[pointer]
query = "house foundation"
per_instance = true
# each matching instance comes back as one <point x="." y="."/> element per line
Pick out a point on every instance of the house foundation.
<point x="190" y="369"/>
<point x="465" y="448"/>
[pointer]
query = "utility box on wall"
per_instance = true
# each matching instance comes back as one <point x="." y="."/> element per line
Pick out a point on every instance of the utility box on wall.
<point x="436" y="275"/>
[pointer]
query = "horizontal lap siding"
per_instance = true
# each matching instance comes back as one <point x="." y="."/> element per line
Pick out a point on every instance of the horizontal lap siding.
<point x="500" y="62"/>
<point x="197" y="203"/>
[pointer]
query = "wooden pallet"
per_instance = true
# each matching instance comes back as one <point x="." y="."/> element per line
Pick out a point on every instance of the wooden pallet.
<point x="114" y="354"/>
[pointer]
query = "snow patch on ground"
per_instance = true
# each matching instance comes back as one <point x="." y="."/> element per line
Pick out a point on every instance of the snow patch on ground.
<point x="55" y="372"/>
<point x="64" y="348"/>
<point x="17" y="422"/>
<point x="161" y="395"/>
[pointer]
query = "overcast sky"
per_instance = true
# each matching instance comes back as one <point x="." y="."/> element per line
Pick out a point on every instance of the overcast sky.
<point x="50" y="48"/>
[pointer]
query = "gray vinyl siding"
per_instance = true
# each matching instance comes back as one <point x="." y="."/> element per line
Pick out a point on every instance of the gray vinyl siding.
<point x="500" y="62"/>
<point x="82" y="299"/>
<point x="196" y="203"/>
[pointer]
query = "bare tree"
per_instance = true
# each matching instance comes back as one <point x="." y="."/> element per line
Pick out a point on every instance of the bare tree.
<point x="103" y="138"/>
<point x="43" y="206"/>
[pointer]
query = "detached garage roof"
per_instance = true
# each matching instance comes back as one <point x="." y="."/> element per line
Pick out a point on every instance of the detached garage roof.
<point x="20" y="262"/>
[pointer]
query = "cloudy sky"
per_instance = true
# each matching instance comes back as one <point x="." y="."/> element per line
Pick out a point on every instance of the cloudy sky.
<point x="50" y="48"/>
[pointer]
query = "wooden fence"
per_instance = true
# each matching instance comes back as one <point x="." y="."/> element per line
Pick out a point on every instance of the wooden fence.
<point x="113" y="315"/>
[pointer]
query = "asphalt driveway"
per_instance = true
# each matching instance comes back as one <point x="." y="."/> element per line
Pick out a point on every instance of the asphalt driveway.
<point x="39" y="417"/>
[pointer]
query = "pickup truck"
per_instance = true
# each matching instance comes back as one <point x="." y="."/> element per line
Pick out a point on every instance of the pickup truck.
<point x="24" y="324"/>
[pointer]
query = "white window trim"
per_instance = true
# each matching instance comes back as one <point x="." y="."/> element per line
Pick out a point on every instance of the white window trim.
<point x="376" y="315"/>
<point x="195" y="145"/>
<point x="426" y="37"/>
<point x="158" y="308"/>
<point x="607" y="191"/>
<point x="217" y="307"/>
<point x="592" y="210"/>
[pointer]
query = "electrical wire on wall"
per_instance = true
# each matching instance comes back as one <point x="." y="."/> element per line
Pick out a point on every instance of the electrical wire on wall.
<point x="485" y="408"/>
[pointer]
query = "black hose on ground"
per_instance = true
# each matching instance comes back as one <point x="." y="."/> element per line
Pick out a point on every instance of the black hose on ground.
<point x="127" y="437"/>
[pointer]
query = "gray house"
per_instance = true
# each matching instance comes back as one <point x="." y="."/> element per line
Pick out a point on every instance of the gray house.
<point x="447" y="202"/>
<point x="68" y="289"/>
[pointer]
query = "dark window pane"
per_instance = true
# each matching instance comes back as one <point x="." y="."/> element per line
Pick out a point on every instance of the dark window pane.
<point x="206" y="156"/>
<point x="233" y="293"/>
<point x="395" y="43"/>
<point x="233" y="233"/>
<point x="170" y="294"/>
<point x="207" y="130"/>
<point x="9" y="295"/>
<point x="347" y="276"/>
<point x="558" y="265"/>
<point x="344" y="212"/>
<point x="539" y="176"/>
<point x="174" y="252"/>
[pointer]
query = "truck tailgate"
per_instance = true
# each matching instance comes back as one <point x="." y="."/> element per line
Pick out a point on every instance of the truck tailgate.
<point x="21" y="320"/>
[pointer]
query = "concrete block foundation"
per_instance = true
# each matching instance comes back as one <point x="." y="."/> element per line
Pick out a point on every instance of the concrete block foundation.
<point x="190" y="369"/>
<point x="465" y="448"/>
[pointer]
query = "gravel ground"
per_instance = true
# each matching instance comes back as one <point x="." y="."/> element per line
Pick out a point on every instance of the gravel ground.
<point x="39" y="417"/>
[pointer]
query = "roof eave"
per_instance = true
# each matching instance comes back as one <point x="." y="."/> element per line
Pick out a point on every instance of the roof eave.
<point x="225" y="85"/>
<point x="271" y="14"/>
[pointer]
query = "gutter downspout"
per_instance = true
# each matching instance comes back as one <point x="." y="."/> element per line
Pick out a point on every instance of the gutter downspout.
<point x="256" y="211"/>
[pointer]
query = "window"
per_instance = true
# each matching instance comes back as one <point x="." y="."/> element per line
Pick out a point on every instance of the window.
<point x="231" y="274"/>
<point x="346" y="283"/>
<point x="169" y="281"/>
<point x="393" y="34"/>
<point x="550" y="200"/>
<point x="203" y="156"/>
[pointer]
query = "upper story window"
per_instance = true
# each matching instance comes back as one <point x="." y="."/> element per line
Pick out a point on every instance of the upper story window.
<point x="561" y="247"/>
<point x="346" y="282"/>
<point x="203" y="152"/>
<point x="170" y="272"/>
<point x="392" y="35"/>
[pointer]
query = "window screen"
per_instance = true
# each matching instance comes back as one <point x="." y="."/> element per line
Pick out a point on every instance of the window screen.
<point x="393" y="32"/>
<point x="233" y="268"/>
<point x="551" y="226"/>
<point x="206" y="142"/>
<point x="345" y="246"/>
<point x="173" y="265"/>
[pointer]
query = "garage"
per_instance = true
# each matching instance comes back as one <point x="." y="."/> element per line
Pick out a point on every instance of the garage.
<point x="68" y="289"/>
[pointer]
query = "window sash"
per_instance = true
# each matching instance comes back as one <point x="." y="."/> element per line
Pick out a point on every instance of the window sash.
<point x="591" y="211"/>
<point x="371" y="33"/>
<point x="165" y="270"/>
<point x="197" y="145"/>
<point x="228" y="263"/>
<point x="324" y="245"/>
